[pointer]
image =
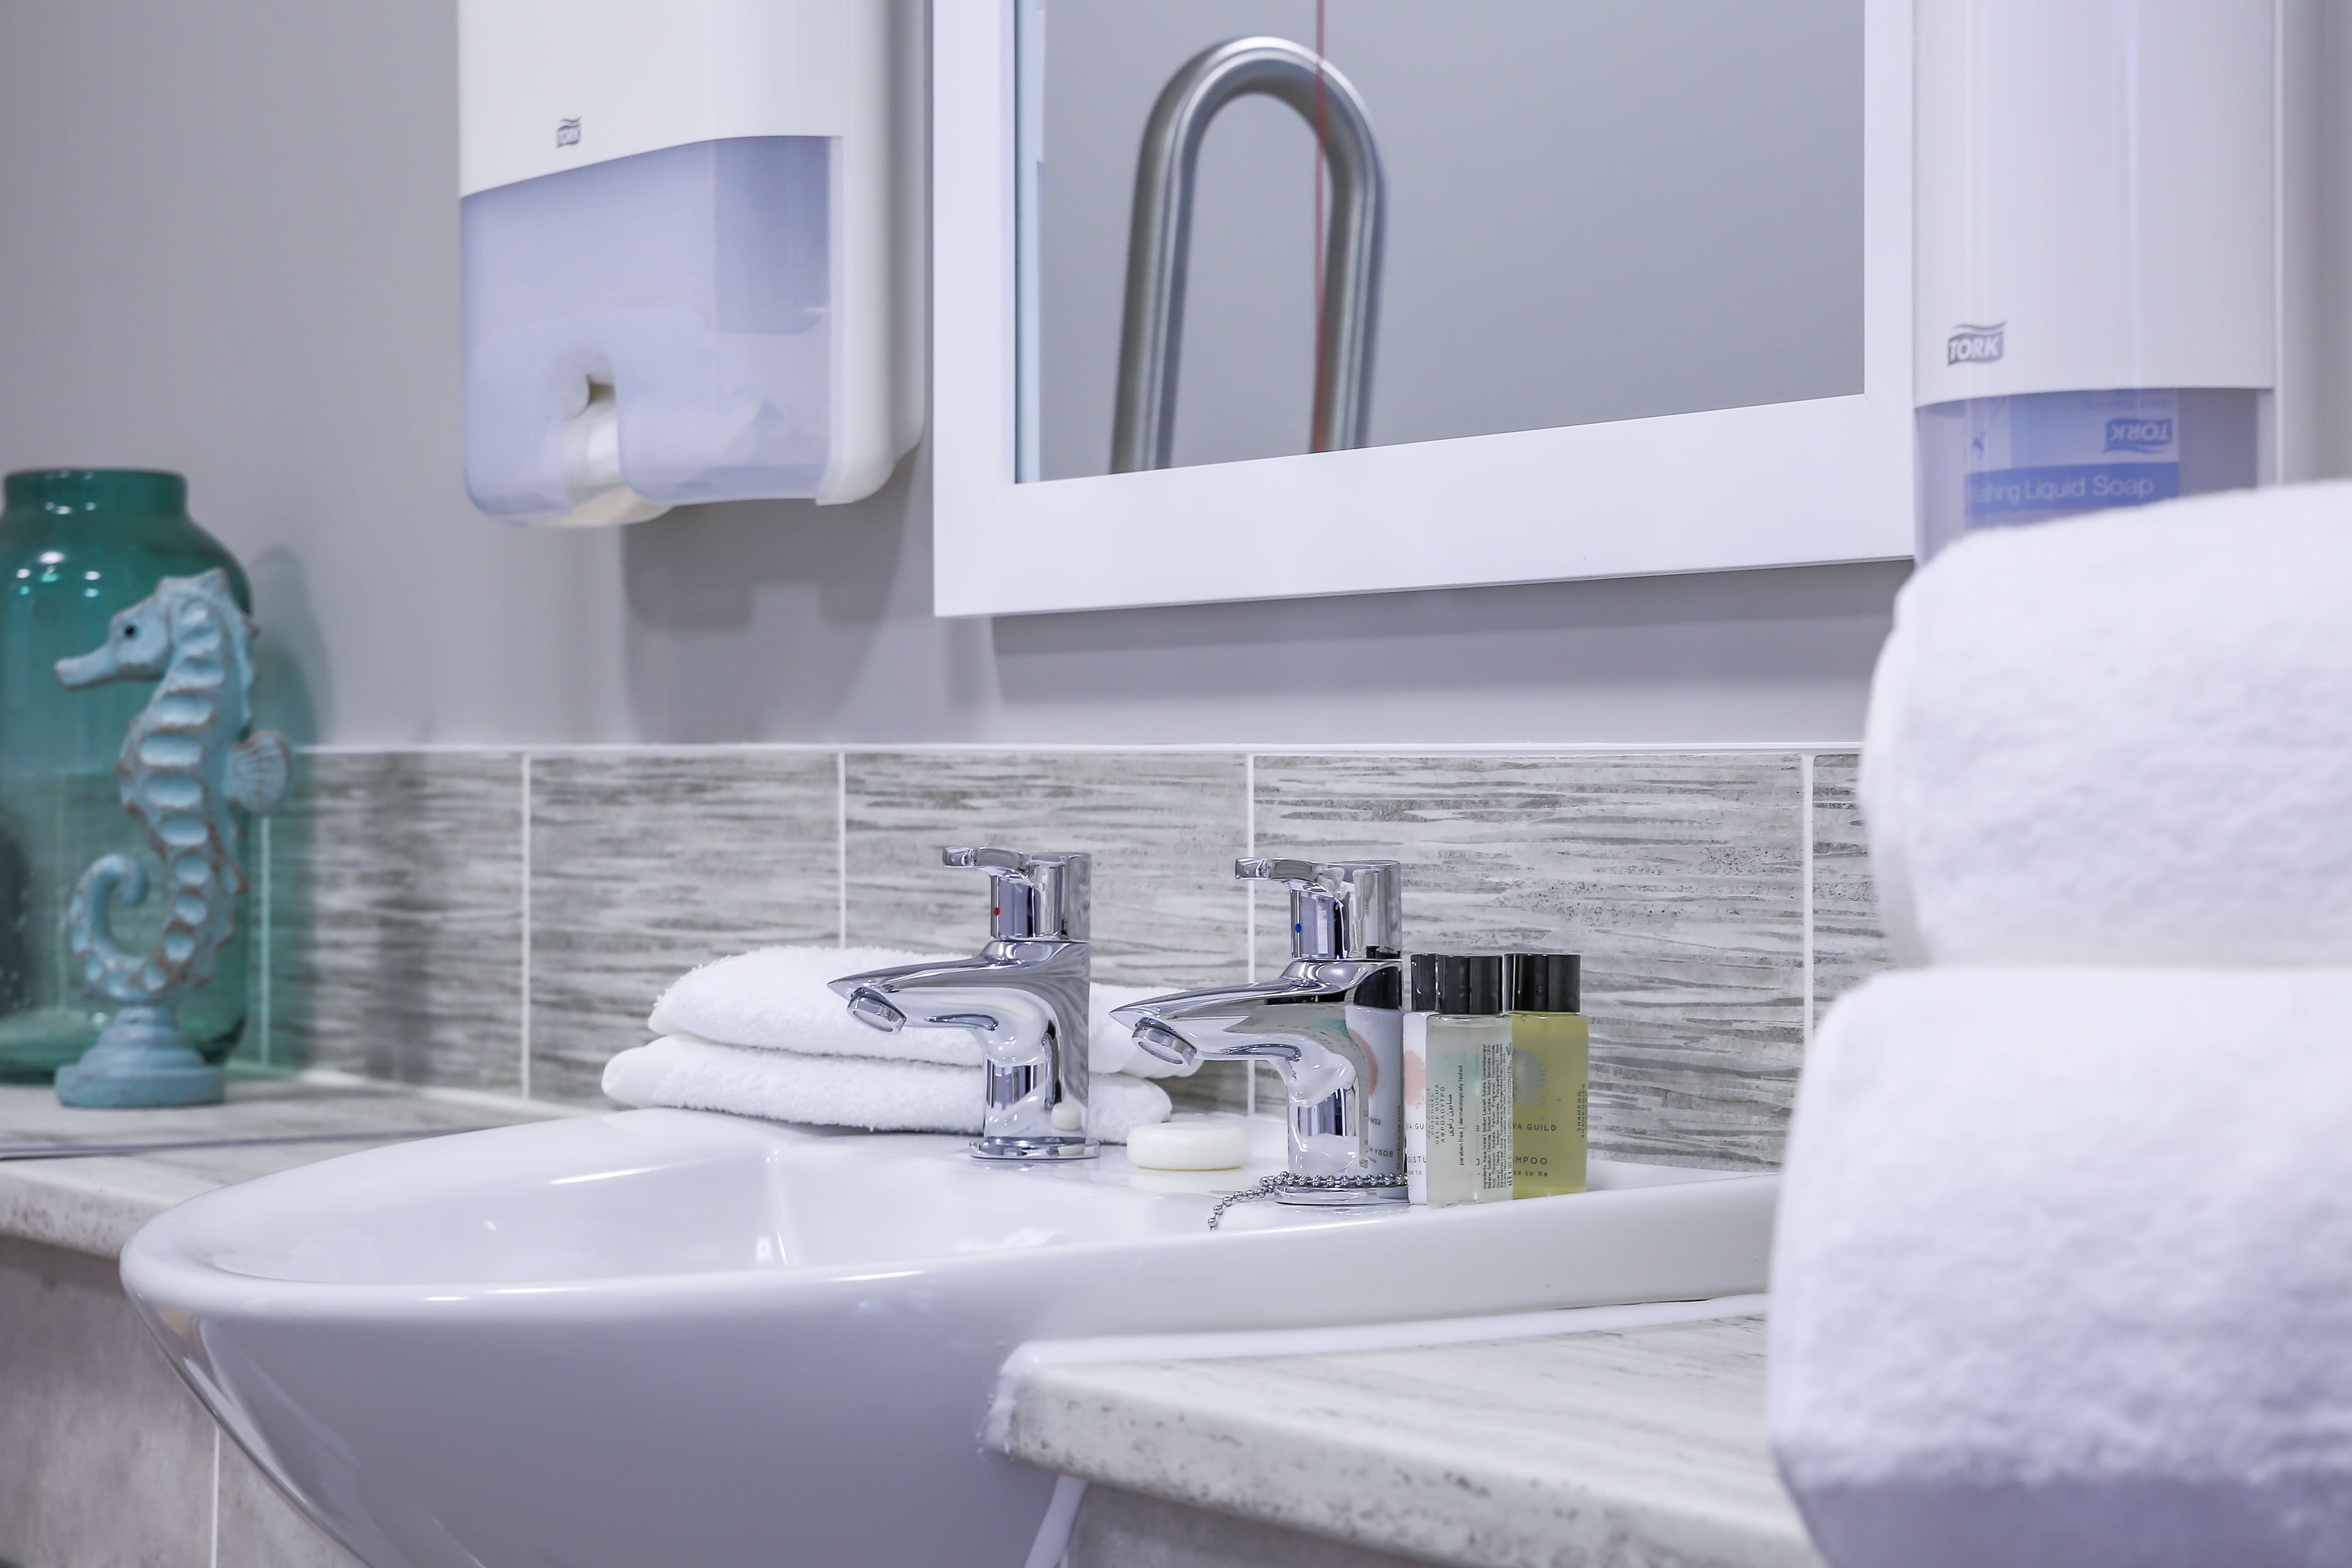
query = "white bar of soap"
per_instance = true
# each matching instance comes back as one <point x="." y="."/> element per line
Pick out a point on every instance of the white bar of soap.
<point x="1187" y="1146"/>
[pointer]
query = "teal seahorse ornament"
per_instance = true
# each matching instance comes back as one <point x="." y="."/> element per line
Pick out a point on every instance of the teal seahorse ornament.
<point x="184" y="765"/>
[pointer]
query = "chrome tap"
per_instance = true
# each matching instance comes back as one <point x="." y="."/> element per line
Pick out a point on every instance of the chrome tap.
<point x="1024" y="996"/>
<point x="1332" y="1025"/>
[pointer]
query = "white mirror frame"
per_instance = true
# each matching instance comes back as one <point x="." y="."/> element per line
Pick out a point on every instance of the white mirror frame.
<point x="1784" y="484"/>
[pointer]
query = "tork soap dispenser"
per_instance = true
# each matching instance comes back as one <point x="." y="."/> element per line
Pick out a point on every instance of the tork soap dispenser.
<point x="690" y="251"/>
<point x="2097" y="267"/>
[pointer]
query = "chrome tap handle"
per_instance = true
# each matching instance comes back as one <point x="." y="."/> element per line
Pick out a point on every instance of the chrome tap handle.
<point x="1339" y="908"/>
<point x="1044" y="895"/>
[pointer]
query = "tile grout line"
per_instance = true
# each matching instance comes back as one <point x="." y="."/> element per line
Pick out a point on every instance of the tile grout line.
<point x="841" y="846"/>
<point x="1249" y="909"/>
<point x="1249" y="847"/>
<point x="1805" y="848"/>
<point x="524" y="1042"/>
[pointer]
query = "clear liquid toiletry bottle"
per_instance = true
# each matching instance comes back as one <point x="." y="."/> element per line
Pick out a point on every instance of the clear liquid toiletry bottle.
<point x="1457" y="1047"/>
<point x="1551" y="1054"/>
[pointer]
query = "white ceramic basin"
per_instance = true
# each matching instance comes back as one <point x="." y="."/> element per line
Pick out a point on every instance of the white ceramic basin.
<point x="662" y="1337"/>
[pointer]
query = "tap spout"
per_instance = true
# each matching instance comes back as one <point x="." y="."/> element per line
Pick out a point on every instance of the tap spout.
<point x="911" y="993"/>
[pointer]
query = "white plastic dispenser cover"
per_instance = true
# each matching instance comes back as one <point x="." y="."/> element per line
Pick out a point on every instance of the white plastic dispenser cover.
<point x="2096" y="197"/>
<point x="2096" y="268"/>
<point x="685" y="273"/>
<point x="692" y="284"/>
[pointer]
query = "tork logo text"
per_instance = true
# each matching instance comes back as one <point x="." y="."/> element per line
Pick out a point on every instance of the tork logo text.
<point x="1971" y="344"/>
<point x="2139" y="435"/>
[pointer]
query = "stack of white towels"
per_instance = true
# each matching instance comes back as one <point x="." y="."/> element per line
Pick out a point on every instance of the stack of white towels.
<point x="2063" y="1272"/>
<point x="761" y="1035"/>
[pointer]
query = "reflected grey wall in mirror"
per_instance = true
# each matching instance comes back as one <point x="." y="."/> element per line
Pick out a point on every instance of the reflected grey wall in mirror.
<point x="1595" y="210"/>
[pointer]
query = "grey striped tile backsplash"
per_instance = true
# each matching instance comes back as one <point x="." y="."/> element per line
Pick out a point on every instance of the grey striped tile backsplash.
<point x="394" y="942"/>
<point x="1679" y="877"/>
<point x="645" y="864"/>
<point x="1848" y="945"/>
<point x="1163" y="828"/>
<point x="503" y="920"/>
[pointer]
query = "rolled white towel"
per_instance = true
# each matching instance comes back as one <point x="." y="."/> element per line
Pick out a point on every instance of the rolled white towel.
<point x="777" y="998"/>
<point x="2062" y="1271"/>
<point x="2126" y="738"/>
<point x="844" y="1091"/>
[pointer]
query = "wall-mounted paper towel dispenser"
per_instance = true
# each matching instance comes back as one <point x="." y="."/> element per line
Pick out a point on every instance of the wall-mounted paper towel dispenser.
<point x="691" y="251"/>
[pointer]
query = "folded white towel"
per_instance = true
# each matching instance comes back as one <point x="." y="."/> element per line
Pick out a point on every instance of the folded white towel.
<point x="845" y="1091"/>
<point x="2063" y="1271"/>
<point x="776" y="998"/>
<point x="2126" y="738"/>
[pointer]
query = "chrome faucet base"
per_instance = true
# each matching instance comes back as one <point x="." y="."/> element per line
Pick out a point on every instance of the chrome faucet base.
<point x="1034" y="1149"/>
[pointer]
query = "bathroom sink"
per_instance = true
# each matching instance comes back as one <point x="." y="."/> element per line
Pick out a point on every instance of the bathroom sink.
<point x="670" y="1337"/>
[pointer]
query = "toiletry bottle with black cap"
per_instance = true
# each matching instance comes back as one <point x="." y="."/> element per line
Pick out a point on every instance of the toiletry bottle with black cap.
<point x="1457" y="1074"/>
<point x="1551" y="1053"/>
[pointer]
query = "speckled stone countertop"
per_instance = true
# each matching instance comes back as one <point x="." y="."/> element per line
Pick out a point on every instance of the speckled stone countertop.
<point x="1640" y="1447"/>
<point x="93" y="1203"/>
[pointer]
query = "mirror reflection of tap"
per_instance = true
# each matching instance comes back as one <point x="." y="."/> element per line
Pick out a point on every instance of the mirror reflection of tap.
<point x="1331" y="1025"/>
<point x="1024" y="998"/>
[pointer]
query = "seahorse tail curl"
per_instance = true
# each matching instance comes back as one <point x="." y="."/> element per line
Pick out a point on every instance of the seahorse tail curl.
<point x="106" y="968"/>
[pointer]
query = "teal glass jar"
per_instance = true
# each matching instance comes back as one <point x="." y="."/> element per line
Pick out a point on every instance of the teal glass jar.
<point x="76" y="545"/>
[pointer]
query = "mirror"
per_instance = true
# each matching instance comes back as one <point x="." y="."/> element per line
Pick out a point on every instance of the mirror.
<point x="1541" y="214"/>
<point x="1608" y="287"/>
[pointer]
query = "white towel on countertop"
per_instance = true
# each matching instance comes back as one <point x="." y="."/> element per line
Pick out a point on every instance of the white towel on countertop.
<point x="2063" y="1271"/>
<point x="845" y="1091"/>
<point x="778" y="998"/>
<point x="2123" y="739"/>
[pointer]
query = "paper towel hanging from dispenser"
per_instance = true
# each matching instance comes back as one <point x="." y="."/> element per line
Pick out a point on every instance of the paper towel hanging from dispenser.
<point x="691" y="252"/>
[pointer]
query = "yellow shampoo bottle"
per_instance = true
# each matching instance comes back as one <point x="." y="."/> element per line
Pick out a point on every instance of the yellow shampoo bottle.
<point x="1551" y="1056"/>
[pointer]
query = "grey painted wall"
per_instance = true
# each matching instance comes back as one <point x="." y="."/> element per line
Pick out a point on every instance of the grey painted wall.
<point x="228" y="244"/>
